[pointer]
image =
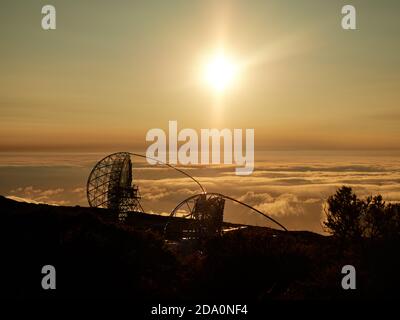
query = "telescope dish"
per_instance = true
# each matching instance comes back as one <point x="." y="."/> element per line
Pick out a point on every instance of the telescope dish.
<point x="208" y="209"/>
<point x="110" y="185"/>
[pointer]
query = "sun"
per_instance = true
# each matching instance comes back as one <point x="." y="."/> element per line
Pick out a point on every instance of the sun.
<point x="220" y="72"/>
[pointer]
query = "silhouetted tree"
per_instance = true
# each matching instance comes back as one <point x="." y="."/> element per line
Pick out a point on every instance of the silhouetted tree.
<point x="381" y="220"/>
<point x="393" y="213"/>
<point x="344" y="214"/>
<point x="374" y="219"/>
<point x="349" y="217"/>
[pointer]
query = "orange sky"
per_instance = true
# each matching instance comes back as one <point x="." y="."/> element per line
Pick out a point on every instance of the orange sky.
<point x="110" y="73"/>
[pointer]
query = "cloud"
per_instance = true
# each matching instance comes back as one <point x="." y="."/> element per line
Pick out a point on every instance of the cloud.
<point x="289" y="186"/>
<point x="284" y="204"/>
<point x="311" y="200"/>
<point x="290" y="191"/>
<point x="19" y="199"/>
<point x="78" y="190"/>
<point x="155" y="191"/>
<point x="36" y="195"/>
<point x="255" y="198"/>
<point x="28" y="200"/>
<point x="51" y="192"/>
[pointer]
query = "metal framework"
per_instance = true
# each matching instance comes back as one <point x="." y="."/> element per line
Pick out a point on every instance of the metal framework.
<point x="206" y="213"/>
<point x="110" y="185"/>
<point x="188" y="207"/>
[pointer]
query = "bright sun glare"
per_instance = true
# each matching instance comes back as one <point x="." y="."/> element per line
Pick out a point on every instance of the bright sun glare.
<point x="220" y="72"/>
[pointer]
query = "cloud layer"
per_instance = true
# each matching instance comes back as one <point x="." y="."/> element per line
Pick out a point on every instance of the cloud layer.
<point x="290" y="187"/>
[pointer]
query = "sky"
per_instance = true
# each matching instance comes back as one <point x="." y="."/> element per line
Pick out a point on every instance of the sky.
<point x="323" y="101"/>
<point x="111" y="71"/>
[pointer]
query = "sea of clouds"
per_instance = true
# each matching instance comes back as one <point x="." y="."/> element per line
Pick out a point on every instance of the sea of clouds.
<point x="292" y="187"/>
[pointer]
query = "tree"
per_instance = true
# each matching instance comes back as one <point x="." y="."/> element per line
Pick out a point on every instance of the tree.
<point x="375" y="218"/>
<point x="382" y="220"/>
<point x="349" y="217"/>
<point x="344" y="214"/>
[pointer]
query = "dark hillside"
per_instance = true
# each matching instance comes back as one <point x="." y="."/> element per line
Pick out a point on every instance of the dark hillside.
<point x="97" y="258"/>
